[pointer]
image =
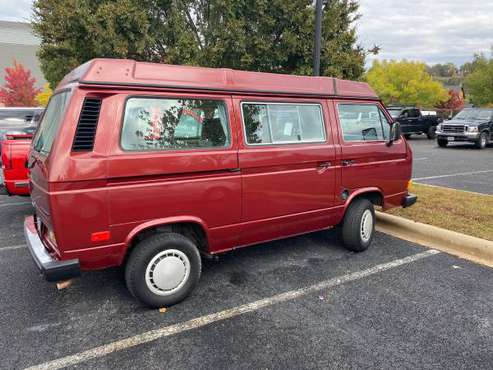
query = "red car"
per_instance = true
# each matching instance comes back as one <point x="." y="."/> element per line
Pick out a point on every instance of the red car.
<point x="152" y="166"/>
<point x="15" y="150"/>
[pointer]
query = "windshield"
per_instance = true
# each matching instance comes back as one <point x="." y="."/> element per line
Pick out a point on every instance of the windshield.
<point x="475" y="114"/>
<point x="50" y="123"/>
<point x="395" y="113"/>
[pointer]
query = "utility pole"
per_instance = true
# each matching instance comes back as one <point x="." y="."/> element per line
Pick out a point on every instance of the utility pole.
<point x="318" y="38"/>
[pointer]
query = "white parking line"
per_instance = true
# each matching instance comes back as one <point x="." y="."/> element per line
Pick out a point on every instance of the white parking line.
<point x="12" y="247"/>
<point x="420" y="159"/>
<point x="198" y="322"/>
<point x="452" y="175"/>
<point x="14" y="204"/>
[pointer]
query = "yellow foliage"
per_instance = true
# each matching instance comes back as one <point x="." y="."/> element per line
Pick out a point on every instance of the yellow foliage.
<point x="44" y="96"/>
<point x="405" y="82"/>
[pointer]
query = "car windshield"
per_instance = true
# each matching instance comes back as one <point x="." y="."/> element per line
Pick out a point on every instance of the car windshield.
<point x="50" y="122"/>
<point x="475" y="114"/>
<point x="395" y="112"/>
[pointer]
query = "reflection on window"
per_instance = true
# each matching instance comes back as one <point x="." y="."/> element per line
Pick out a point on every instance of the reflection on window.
<point x="363" y="122"/>
<point x="174" y="124"/>
<point x="282" y="123"/>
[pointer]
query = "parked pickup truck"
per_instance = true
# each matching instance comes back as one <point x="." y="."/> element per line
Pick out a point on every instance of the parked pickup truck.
<point x="414" y="121"/>
<point x="474" y="125"/>
<point x="15" y="149"/>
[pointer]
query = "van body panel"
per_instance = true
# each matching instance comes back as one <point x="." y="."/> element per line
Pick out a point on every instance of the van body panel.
<point x="292" y="180"/>
<point x="202" y="183"/>
<point x="365" y="164"/>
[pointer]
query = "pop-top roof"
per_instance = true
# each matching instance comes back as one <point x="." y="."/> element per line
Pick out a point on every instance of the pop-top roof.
<point x="124" y="72"/>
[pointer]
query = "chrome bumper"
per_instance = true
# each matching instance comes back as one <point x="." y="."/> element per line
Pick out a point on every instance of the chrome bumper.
<point x="51" y="268"/>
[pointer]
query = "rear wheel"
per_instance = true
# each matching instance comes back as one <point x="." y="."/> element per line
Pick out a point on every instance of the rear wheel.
<point x="442" y="143"/>
<point x="482" y="141"/>
<point x="358" y="226"/>
<point x="163" y="269"/>
<point x="431" y="134"/>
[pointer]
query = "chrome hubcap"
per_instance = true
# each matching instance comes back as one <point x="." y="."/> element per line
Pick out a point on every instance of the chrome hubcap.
<point x="167" y="272"/>
<point x="483" y="140"/>
<point x="366" y="227"/>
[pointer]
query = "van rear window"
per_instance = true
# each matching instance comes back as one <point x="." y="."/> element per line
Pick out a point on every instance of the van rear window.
<point x="174" y="124"/>
<point x="50" y="123"/>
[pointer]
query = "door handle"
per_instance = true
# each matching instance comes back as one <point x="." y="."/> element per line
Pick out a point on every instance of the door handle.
<point x="323" y="165"/>
<point x="347" y="162"/>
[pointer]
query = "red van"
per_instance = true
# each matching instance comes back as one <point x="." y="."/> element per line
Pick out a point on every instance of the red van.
<point x="154" y="166"/>
<point x="15" y="149"/>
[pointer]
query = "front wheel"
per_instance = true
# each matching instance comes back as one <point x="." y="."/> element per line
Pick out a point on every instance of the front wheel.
<point x="358" y="226"/>
<point x="431" y="134"/>
<point x="163" y="269"/>
<point x="442" y="143"/>
<point x="482" y="141"/>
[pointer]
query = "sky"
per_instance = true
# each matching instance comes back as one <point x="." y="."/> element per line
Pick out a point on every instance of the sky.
<point x="434" y="31"/>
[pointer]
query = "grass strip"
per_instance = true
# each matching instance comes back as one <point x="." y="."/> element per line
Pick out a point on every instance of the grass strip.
<point x="460" y="211"/>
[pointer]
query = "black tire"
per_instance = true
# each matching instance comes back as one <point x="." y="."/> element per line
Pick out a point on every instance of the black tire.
<point x="352" y="225"/>
<point x="442" y="143"/>
<point x="432" y="133"/>
<point x="407" y="136"/>
<point x="482" y="141"/>
<point x="148" y="249"/>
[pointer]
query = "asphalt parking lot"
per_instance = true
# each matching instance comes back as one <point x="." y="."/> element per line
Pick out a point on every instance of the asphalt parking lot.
<point x="459" y="165"/>
<point x="303" y="302"/>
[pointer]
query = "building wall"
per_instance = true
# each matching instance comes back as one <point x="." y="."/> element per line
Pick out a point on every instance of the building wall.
<point x="17" y="42"/>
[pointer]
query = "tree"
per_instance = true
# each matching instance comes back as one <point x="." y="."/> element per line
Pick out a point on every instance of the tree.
<point x="257" y="35"/>
<point x="44" y="96"/>
<point x="19" y="89"/>
<point x="405" y="82"/>
<point x="479" y="81"/>
<point x="454" y="103"/>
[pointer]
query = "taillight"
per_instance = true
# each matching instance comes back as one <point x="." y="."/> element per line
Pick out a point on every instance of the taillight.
<point x="7" y="157"/>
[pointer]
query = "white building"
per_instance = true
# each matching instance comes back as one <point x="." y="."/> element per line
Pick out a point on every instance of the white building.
<point x="17" y="42"/>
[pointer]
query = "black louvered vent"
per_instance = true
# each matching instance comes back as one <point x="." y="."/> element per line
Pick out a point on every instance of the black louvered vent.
<point x="88" y="123"/>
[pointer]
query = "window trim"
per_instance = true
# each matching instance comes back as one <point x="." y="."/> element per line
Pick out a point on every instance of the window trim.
<point x="378" y="106"/>
<point x="176" y="97"/>
<point x="274" y="143"/>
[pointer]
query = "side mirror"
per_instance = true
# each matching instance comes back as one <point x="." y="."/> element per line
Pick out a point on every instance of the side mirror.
<point x="395" y="133"/>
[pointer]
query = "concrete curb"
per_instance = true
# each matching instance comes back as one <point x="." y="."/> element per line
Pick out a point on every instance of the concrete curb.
<point x="457" y="244"/>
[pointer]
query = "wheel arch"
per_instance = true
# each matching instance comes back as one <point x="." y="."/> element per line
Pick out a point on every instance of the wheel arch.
<point x="190" y="226"/>
<point x="373" y="194"/>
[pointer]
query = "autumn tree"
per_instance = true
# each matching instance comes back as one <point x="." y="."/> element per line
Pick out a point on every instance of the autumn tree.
<point x="19" y="89"/>
<point x="405" y="82"/>
<point x="257" y="35"/>
<point x="454" y="103"/>
<point x="479" y="81"/>
<point x="44" y="96"/>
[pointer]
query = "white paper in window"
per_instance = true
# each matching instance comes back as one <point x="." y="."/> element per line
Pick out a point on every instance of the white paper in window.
<point x="288" y="129"/>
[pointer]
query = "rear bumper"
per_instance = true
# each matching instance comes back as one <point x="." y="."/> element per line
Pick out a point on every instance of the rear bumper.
<point x="17" y="187"/>
<point x="51" y="268"/>
<point x="409" y="200"/>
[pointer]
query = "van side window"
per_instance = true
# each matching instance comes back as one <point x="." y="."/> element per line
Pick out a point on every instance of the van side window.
<point x="174" y="124"/>
<point x="362" y="122"/>
<point x="279" y="123"/>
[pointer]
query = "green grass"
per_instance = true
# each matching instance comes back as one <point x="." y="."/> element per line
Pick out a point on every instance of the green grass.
<point x="464" y="212"/>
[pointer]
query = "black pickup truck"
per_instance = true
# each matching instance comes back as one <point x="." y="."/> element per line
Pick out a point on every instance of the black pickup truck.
<point x="474" y="125"/>
<point x="413" y="121"/>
